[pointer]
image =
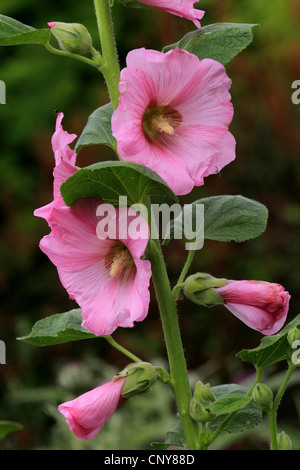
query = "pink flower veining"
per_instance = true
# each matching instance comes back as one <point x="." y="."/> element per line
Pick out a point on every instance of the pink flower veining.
<point x="173" y="116"/>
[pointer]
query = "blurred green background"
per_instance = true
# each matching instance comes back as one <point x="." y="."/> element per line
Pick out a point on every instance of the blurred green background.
<point x="266" y="126"/>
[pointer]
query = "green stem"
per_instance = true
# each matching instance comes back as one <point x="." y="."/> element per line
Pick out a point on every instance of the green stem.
<point x="110" y="66"/>
<point x="183" y="274"/>
<point x="81" y="58"/>
<point x="273" y="412"/>
<point x="177" y="363"/>
<point x="120" y="348"/>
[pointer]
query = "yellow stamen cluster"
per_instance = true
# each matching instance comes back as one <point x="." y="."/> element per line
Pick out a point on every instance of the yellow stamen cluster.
<point x="121" y="260"/>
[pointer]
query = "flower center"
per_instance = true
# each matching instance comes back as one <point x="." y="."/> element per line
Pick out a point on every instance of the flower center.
<point x="159" y="122"/>
<point x="122" y="259"/>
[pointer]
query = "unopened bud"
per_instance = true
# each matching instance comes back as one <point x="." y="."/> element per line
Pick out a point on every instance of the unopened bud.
<point x="293" y="335"/>
<point x="140" y="377"/>
<point x="72" y="37"/>
<point x="199" y="288"/>
<point x="199" y="412"/>
<point x="263" y="396"/>
<point x="203" y="393"/>
<point x="284" y="442"/>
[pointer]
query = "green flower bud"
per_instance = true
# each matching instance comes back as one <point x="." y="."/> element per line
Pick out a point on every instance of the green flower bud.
<point x="140" y="377"/>
<point x="293" y="349"/>
<point x="203" y="393"/>
<point x="199" y="412"/>
<point x="263" y="396"/>
<point x="199" y="289"/>
<point x="293" y="335"/>
<point x="284" y="442"/>
<point x="72" y="37"/>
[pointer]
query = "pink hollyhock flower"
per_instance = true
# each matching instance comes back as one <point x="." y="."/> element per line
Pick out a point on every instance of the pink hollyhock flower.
<point x="261" y="305"/>
<point x="87" y="414"/>
<point x="173" y="116"/>
<point x="100" y="269"/>
<point x="65" y="160"/>
<point x="183" y="8"/>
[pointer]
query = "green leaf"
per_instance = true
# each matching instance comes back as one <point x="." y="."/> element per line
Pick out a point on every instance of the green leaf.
<point x="109" y="180"/>
<point x="175" y="437"/>
<point x="7" y="427"/>
<point x="12" y="33"/>
<point x="229" y="404"/>
<point x="227" y="218"/>
<point x="247" y="417"/>
<point x="97" y="129"/>
<point x="220" y="41"/>
<point x="272" y="349"/>
<point x="57" y="329"/>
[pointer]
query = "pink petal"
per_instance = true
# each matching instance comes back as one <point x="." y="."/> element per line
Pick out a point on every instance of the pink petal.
<point x="87" y="414"/>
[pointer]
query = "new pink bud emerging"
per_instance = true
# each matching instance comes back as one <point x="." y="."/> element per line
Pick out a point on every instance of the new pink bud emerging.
<point x="261" y="305"/>
<point x="87" y="414"/>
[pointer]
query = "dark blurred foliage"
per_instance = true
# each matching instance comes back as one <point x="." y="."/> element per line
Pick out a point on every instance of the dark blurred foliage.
<point x="267" y="168"/>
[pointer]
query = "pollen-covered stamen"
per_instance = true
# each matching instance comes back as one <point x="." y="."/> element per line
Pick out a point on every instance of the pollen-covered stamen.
<point x="122" y="260"/>
<point x="159" y="122"/>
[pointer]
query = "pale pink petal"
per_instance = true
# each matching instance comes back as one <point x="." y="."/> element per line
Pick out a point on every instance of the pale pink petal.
<point x="87" y="414"/>
<point x="198" y="91"/>
<point x="80" y="256"/>
<point x="183" y="8"/>
<point x="60" y="143"/>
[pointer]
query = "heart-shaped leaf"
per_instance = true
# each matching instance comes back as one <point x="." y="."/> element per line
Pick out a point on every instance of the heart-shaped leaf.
<point x="57" y="329"/>
<point x="110" y="180"/>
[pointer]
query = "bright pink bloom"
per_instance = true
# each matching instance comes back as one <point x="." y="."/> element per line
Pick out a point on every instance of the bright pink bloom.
<point x="100" y="269"/>
<point x="173" y="116"/>
<point x="87" y="414"/>
<point x="65" y="160"/>
<point x="261" y="305"/>
<point x="51" y="24"/>
<point x="183" y="8"/>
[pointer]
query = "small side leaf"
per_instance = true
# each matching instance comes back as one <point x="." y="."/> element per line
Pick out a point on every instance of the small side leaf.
<point x="220" y="41"/>
<point x="7" y="427"/>
<point x="12" y="33"/>
<point x="272" y="349"/>
<point x="175" y="437"/>
<point x="57" y="329"/>
<point x="229" y="404"/>
<point x="244" y="418"/>
<point x="97" y="129"/>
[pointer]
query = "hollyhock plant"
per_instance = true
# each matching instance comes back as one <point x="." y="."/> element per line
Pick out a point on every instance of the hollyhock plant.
<point x="183" y="8"/>
<point x="103" y="274"/>
<point x="87" y="414"/>
<point x="173" y="116"/>
<point x="261" y="305"/>
<point x="65" y="160"/>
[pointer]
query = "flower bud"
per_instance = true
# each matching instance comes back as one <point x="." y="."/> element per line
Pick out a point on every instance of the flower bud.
<point x="199" y="412"/>
<point x="284" y="442"/>
<point x="199" y="288"/>
<point x="293" y="349"/>
<point x="293" y="335"/>
<point x="139" y="378"/>
<point x="203" y="393"/>
<point x="72" y="37"/>
<point x="263" y="396"/>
